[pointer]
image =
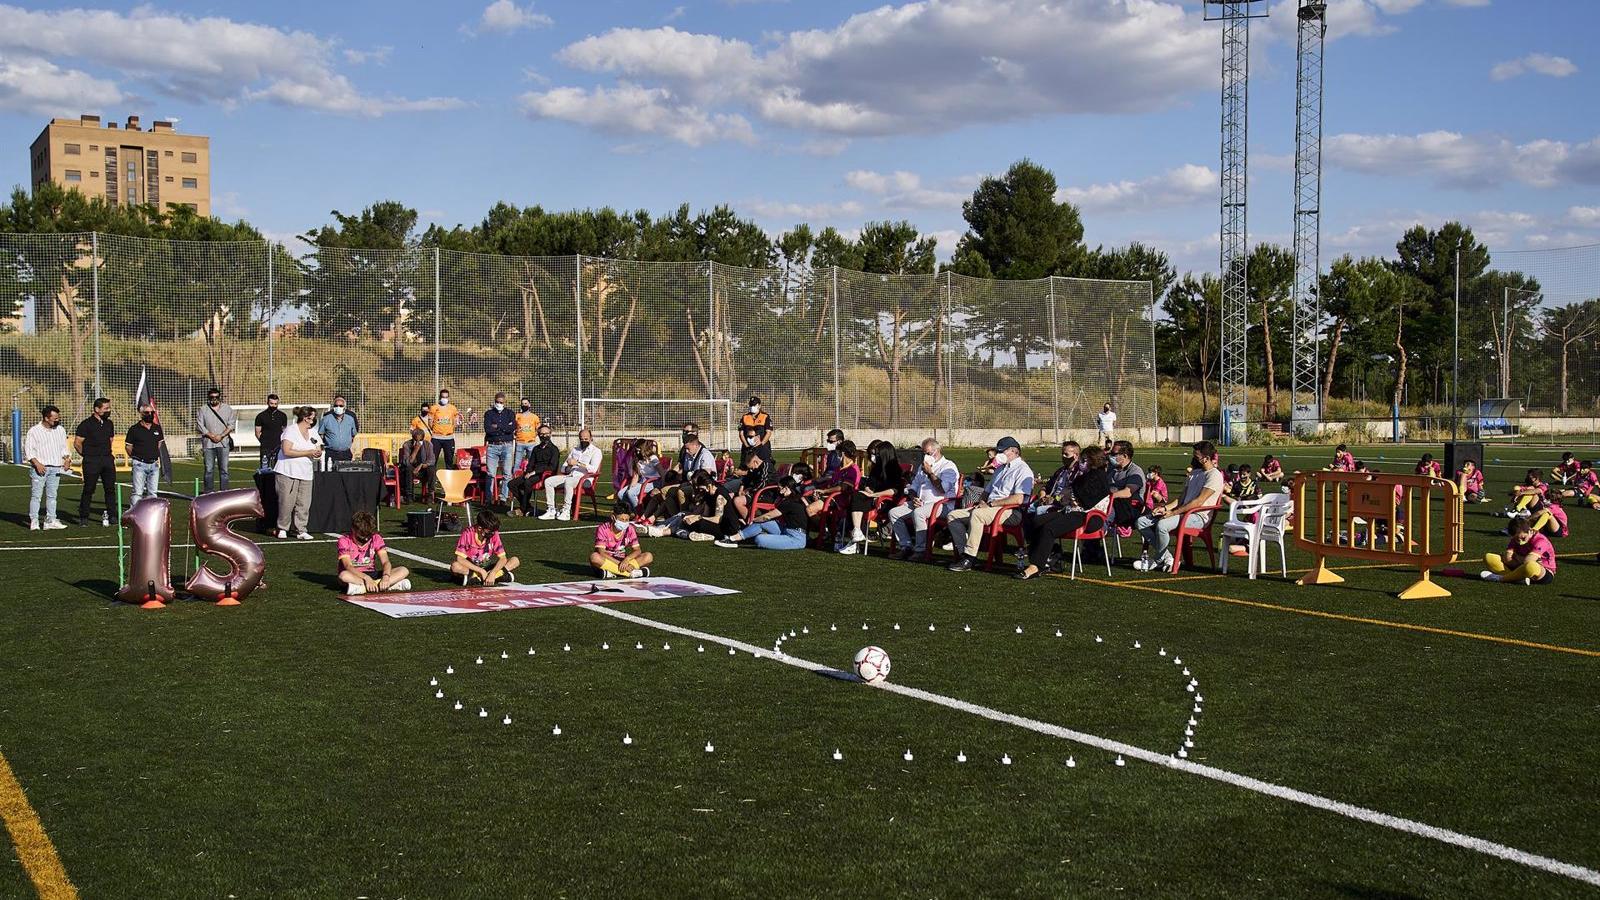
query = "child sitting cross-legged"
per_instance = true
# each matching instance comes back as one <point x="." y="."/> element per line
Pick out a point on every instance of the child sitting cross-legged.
<point x="1529" y="557"/>
<point x="364" y="560"/>
<point x="481" y="555"/>
<point x="617" y="553"/>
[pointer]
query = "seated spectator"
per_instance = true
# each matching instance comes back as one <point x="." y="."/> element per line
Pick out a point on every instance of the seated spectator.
<point x="1155" y="489"/>
<point x="783" y="528"/>
<point x="415" y="463"/>
<point x="539" y="463"/>
<point x="582" y="461"/>
<point x="645" y="475"/>
<point x="754" y="472"/>
<point x="844" y="480"/>
<point x="1201" y="494"/>
<point x="1567" y="469"/>
<point x="1524" y="496"/>
<point x="364" y="566"/>
<point x="480" y="554"/>
<point x="834" y="460"/>
<point x="1127" y="487"/>
<point x="1428" y="466"/>
<point x="617" y="553"/>
<point x="1343" y="460"/>
<point x="1090" y="488"/>
<point x="1244" y="489"/>
<point x="1470" y="478"/>
<point x="884" y="483"/>
<point x="936" y="479"/>
<point x="1052" y="495"/>
<point x="706" y="514"/>
<point x="1007" y="491"/>
<point x="1529" y="557"/>
<point x="973" y="488"/>
<point x="1271" y="469"/>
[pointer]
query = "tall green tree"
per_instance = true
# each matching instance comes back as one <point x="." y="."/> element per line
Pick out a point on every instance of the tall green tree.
<point x="365" y="275"/>
<point x="1187" y="339"/>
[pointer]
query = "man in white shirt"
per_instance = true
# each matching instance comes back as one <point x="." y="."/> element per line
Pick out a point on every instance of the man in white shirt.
<point x="1202" y="491"/>
<point x="582" y="460"/>
<point x="1012" y="483"/>
<point x="45" y="449"/>
<point x="1107" y="420"/>
<point x="936" y="479"/>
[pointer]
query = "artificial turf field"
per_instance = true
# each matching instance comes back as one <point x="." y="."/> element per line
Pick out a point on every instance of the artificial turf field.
<point x="293" y="746"/>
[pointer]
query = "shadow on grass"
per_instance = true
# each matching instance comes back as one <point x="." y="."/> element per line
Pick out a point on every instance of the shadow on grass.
<point x="101" y="588"/>
<point x="1372" y="893"/>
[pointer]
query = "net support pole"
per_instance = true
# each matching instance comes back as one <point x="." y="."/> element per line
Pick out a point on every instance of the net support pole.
<point x="577" y="305"/>
<point x="949" y="372"/>
<point x="272" y="372"/>
<point x="715" y="343"/>
<point x="838" y="416"/>
<point x="1155" y="376"/>
<point x="438" y="318"/>
<point x="94" y="269"/>
<point x="1055" y="364"/>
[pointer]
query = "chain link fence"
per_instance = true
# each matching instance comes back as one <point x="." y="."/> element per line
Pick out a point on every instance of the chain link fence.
<point x="84" y="315"/>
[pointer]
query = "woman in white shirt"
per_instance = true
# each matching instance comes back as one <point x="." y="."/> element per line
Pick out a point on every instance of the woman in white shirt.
<point x="1107" y="419"/>
<point x="294" y="470"/>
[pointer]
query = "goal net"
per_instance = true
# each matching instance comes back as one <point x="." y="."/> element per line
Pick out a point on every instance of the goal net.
<point x="611" y="418"/>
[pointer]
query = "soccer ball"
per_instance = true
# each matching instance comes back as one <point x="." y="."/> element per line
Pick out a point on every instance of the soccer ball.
<point x="872" y="664"/>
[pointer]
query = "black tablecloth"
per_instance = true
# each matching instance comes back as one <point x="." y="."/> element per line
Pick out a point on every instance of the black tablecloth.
<point x="335" y="497"/>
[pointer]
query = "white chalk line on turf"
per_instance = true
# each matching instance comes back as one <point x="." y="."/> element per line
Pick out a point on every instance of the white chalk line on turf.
<point x="290" y="542"/>
<point x="1246" y="782"/>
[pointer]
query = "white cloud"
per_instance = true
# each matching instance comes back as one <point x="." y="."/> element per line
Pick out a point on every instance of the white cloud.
<point x="804" y="212"/>
<point x="377" y="56"/>
<point x="905" y="190"/>
<point x="505" y="16"/>
<point x="226" y="205"/>
<point x="33" y="85"/>
<point x="630" y="109"/>
<point x="928" y="66"/>
<point x="1466" y="2"/>
<point x="676" y="14"/>
<point x="208" y="59"/>
<point x="1584" y="216"/>
<point x="1536" y="63"/>
<point x="1176" y="187"/>
<point x="1467" y="161"/>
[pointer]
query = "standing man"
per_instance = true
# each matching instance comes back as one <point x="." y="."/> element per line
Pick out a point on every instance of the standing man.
<point x="500" y="436"/>
<point x="1013" y="482"/>
<point x="1107" y="422"/>
<point x="1203" y="491"/>
<point x="527" y="434"/>
<point x="47" y="455"/>
<point x="423" y="419"/>
<point x="937" y="479"/>
<point x="270" y="423"/>
<point x="338" y="430"/>
<point x="583" y="459"/>
<point x="216" y="422"/>
<point x="757" y="420"/>
<point x="93" y="442"/>
<point x="415" y="463"/>
<point x="444" y="418"/>
<point x="144" y="441"/>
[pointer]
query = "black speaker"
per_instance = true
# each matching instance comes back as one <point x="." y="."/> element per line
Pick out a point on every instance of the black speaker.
<point x="422" y="523"/>
<point x="1457" y="452"/>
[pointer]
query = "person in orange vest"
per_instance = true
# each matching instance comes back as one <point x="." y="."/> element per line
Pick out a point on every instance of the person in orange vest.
<point x="443" y="420"/>
<point x="527" y="435"/>
<point x="757" y="420"/>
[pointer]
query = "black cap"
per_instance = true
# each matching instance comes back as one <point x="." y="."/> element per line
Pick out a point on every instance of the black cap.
<point x="1007" y="443"/>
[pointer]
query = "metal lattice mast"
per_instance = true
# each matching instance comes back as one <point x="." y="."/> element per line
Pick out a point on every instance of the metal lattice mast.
<point x="1305" y="393"/>
<point x="1235" y="16"/>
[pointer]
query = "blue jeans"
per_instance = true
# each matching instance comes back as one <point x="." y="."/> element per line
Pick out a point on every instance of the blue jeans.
<point x="524" y="451"/>
<point x="43" y="487"/>
<point x="216" y="467"/>
<point x="499" y="463"/>
<point x="769" y="535"/>
<point x="630" y="495"/>
<point x="146" y="480"/>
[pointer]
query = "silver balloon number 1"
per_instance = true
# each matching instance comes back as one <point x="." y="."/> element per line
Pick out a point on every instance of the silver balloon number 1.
<point x="149" y="567"/>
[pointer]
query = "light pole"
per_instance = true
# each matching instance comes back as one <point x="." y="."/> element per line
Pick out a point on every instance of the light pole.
<point x="1455" y="364"/>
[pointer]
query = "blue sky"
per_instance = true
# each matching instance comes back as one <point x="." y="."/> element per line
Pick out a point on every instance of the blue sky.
<point x="838" y="113"/>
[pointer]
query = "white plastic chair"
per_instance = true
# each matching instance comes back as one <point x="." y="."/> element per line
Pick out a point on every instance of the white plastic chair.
<point x="1271" y="523"/>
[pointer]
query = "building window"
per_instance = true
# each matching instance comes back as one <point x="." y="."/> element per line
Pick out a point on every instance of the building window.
<point x="93" y="174"/>
<point x="192" y="183"/>
<point x="191" y="157"/>
<point x="192" y="207"/>
<point x="73" y="149"/>
<point x="94" y="148"/>
<point x="169" y="152"/>
<point x="169" y="179"/>
<point x="74" y="175"/>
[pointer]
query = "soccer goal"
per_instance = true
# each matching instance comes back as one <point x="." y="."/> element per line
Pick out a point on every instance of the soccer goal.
<point x="616" y="417"/>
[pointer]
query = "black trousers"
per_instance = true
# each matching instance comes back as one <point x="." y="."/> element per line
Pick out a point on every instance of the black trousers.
<point x="523" y="491"/>
<point x="101" y="469"/>
<point x="1048" y="529"/>
<point x="407" y="473"/>
<point x="444" y="452"/>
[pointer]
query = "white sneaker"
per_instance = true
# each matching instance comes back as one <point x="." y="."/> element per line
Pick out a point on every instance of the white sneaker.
<point x="563" y="516"/>
<point x="354" y="590"/>
<point x="105" y="520"/>
<point x="55" y="525"/>
<point x="549" y="515"/>
<point x="727" y="545"/>
<point x="858" y="536"/>
<point x="403" y="584"/>
<point x="33" y="524"/>
<point x="283" y="535"/>
<point x="848" y="549"/>
<point x="656" y="531"/>
<point x="607" y="575"/>
<point x="641" y="572"/>
<point x="701" y="536"/>
<point x="303" y="536"/>
<point x="947" y="546"/>
<point x="1487" y="575"/>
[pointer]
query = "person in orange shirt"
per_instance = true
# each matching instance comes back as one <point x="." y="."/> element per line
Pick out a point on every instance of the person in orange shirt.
<point x="758" y="421"/>
<point x="443" y="420"/>
<point x="527" y="434"/>
<point x="422" y="420"/>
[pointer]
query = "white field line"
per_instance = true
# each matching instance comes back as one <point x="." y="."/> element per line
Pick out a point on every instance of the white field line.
<point x="290" y="542"/>
<point x="1246" y="782"/>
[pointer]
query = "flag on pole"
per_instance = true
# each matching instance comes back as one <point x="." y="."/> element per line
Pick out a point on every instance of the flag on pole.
<point x="142" y="397"/>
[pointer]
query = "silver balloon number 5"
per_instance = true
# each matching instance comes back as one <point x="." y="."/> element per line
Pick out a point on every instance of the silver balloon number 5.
<point x="150" y="547"/>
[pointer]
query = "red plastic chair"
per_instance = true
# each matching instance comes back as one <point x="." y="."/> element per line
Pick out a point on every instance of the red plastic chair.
<point x="998" y="532"/>
<point x="758" y="505"/>
<point x="1184" y="537"/>
<point x="1096" y="527"/>
<point x="585" y="488"/>
<point x="936" y="519"/>
<point x="391" y="477"/>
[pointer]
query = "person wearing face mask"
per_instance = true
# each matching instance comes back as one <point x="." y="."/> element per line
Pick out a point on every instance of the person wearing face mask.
<point x="1054" y="495"/>
<point x="338" y="430"/>
<point x="756" y="419"/>
<point x="1106" y="421"/>
<point x="144" y="441"/>
<point x="936" y="479"/>
<point x="542" y="460"/>
<point x="1127" y="487"/>
<point x="690" y="430"/>
<point x="444" y="418"/>
<point x="270" y="423"/>
<point x="833" y="461"/>
<point x="92" y="440"/>
<point x="416" y="462"/>
<point x="1007" y="491"/>
<point x="617" y="553"/>
<point x="527" y="434"/>
<point x="46" y="452"/>
<point x="582" y="460"/>
<point x="1202" y="493"/>
<point x="216" y="422"/>
<point x="499" y="437"/>
<point x="1088" y="490"/>
<point x="645" y="477"/>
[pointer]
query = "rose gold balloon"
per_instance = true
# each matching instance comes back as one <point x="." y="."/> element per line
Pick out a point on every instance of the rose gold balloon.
<point x="149" y="524"/>
<point x="209" y="516"/>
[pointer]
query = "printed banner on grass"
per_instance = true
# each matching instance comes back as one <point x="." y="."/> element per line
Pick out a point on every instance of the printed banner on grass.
<point x="531" y="596"/>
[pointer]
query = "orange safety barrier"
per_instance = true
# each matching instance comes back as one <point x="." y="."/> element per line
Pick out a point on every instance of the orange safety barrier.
<point x="1383" y="518"/>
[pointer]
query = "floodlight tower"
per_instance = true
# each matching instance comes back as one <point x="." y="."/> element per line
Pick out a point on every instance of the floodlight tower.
<point x="1235" y="16"/>
<point x="1305" y="392"/>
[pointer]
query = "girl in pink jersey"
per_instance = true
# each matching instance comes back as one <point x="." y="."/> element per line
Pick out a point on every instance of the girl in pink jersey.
<point x="1528" y="494"/>
<point x="617" y="553"/>
<point x="1155" y="489"/>
<point x="364" y="560"/>
<point x="1529" y="557"/>
<point x="1470" y="477"/>
<point x="1584" y="486"/>
<point x="481" y="555"/>
<point x="1429" y="466"/>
